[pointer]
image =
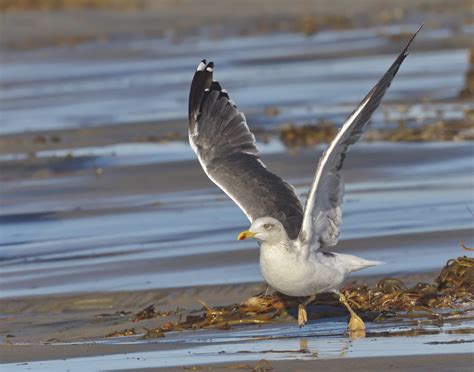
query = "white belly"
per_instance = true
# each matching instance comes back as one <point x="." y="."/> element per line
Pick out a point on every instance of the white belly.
<point x="292" y="275"/>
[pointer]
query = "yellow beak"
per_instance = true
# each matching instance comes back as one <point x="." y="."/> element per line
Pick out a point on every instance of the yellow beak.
<point x="245" y="234"/>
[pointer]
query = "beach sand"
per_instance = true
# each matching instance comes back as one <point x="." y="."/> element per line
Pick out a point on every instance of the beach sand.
<point x="45" y="327"/>
<point x="105" y="210"/>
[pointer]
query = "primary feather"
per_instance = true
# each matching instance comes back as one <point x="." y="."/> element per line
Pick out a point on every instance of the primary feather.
<point x="226" y="149"/>
<point x="322" y="213"/>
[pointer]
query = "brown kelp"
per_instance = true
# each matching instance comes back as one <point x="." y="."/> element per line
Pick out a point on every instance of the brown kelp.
<point x="389" y="298"/>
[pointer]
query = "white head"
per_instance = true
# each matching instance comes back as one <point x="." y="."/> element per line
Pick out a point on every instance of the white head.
<point x="265" y="229"/>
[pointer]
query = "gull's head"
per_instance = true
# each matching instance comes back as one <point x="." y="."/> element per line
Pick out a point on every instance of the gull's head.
<point x="265" y="229"/>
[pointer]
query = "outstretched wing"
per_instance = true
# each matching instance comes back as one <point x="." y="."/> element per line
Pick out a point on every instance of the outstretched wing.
<point x="322" y="214"/>
<point x="225" y="147"/>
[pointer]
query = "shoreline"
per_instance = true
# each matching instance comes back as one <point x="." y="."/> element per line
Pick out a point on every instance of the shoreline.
<point x="114" y="241"/>
<point x="43" y="328"/>
<point x="208" y="19"/>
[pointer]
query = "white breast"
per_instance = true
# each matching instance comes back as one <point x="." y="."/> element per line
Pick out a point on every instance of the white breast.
<point x="288" y="272"/>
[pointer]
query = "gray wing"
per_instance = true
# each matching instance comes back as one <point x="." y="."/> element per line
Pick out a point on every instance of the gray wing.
<point x="225" y="147"/>
<point x="322" y="214"/>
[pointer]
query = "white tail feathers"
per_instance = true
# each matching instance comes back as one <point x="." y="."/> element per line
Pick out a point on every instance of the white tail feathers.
<point x="354" y="263"/>
<point x="363" y="264"/>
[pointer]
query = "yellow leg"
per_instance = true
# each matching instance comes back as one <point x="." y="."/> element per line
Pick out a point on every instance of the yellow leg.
<point x="267" y="291"/>
<point x="302" y="314"/>
<point x="355" y="323"/>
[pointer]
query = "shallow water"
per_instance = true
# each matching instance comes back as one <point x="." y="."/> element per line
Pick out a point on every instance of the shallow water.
<point x="147" y="240"/>
<point x="65" y="229"/>
<point x="320" y="339"/>
<point x="148" y="80"/>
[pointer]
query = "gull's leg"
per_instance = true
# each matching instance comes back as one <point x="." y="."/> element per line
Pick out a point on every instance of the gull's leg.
<point x="355" y="323"/>
<point x="302" y="314"/>
<point x="267" y="290"/>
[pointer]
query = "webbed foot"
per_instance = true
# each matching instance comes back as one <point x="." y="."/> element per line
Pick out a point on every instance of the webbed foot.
<point x="356" y="324"/>
<point x="302" y="315"/>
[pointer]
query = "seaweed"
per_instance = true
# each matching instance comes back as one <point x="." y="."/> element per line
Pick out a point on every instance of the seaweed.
<point x="324" y="131"/>
<point x="124" y="332"/>
<point x="153" y="333"/>
<point x="389" y="299"/>
<point x="262" y="365"/>
<point x="307" y="135"/>
<point x="147" y="313"/>
<point x="150" y="312"/>
<point x="117" y="313"/>
<point x="440" y="130"/>
<point x="453" y="287"/>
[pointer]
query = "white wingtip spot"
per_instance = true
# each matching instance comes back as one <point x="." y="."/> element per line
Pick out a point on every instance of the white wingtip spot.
<point x="209" y="69"/>
<point x="201" y="66"/>
<point x="223" y="91"/>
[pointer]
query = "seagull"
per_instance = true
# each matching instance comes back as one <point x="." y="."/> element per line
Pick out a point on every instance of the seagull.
<point x="291" y="239"/>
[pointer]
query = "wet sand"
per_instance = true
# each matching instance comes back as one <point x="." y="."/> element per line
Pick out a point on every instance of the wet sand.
<point x="49" y="326"/>
<point x="169" y="234"/>
<point x="446" y="362"/>
<point x="104" y="208"/>
<point x="44" y="328"/>
<point x="208" y="19"/>
<point x="440" y="362"/>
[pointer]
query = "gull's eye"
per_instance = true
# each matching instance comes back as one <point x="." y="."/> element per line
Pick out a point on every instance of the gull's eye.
<point x="267" y="226"/>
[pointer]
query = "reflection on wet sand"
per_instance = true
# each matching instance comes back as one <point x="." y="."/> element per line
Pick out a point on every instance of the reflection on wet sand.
<point x="279" y="344"/>
<point x="105" y="211"/>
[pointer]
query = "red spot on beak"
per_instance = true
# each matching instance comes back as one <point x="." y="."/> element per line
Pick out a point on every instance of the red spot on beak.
<point x="244" y="235"/>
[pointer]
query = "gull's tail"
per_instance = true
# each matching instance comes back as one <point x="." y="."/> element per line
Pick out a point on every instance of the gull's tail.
<point x="362" y="264"/>
<point x="353" y="263"/>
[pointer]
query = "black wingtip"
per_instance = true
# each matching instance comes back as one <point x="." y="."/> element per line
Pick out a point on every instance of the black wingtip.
<point x="201" y="86"/>
<point x="201" y="66"/>
<point x="224" y="93"/>
<point x="215" y="86"/>
<point x="419" y="28"/>
<point x="405" y="50"/>
<point x="416" y="33"/>
<point x="210" y="67"/>
<point x="202" y="80"/>
<point x="204" y="66"/>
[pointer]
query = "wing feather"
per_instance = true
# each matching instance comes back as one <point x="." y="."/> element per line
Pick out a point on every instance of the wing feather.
<point x="322" y="213"/>
<point x="226" y="149"/>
